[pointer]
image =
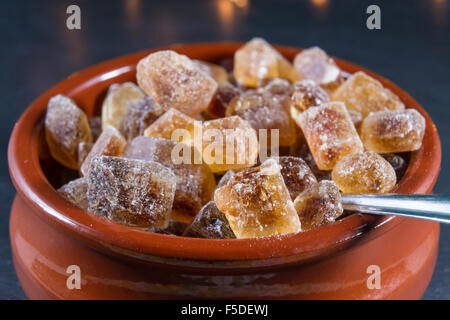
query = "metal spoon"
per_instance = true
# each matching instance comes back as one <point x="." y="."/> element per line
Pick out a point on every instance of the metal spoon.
<point x="420" y="206"/>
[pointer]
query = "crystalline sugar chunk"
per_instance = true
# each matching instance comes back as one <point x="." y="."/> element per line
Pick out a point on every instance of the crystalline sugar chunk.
<point x="319" y="205"/>
<point x="364" y="94"/>
<point x="174" y="125"/>
<point x="265" y="112"/>
<point x="393" y="131"/>
<point x="110" y="143"/>
<point x="229" y="143"/>
<point x="66" y="126"/>
<point x="257" y="203"/>
<point x="330" y="133"/>
<point x="258" y="60"/>
<point x="76" y="192"/>
<point x="314" y="64"/>
<point x="175" y="81"/>
<point x="225" y="93"/>
<point x="296" y="174"/>
<point x="132" y="192"/>
<point x="209" y="223"/>
<point x="139" y="115"/>
<point x="365" y="172"/>
<point x="115" y="103"/>
<point x="307" y="94"/>
<point x="195" y="183"/>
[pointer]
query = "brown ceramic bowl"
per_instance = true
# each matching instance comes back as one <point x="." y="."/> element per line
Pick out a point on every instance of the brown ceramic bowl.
<point x="48" y="234"/>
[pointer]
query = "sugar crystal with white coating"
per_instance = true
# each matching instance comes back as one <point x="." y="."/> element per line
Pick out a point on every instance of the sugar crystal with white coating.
<point x="66" y="126"/>
<point x="195" y="182"/>
<point x="365" y="172"/>
<point x="314" y="64"/>
<point x="175" y="81"/>
<point x="132" y="192"/>
<point x="393" y="131"/>
<point x="330" y="133"/>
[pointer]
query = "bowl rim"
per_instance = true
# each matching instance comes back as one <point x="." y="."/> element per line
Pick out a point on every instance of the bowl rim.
<point x="34" y="188"/>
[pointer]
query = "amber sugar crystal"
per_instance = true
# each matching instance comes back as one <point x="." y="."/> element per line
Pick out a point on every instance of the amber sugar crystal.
<point x="330" y="133"/>
<point x="229" y="143"/>
<point x="139" y="115"/>
<point x="296" y="174"/>
<point x="267" y="112"/>
<point x="224" y="94"/>
<point x="364" y="94"/>
<point x="195" y="183"/>
<point x="314" y="64"/>
<point x="258" y="60"/>
<point x="319" y="205"/>
<point x="66" y="126"/>
<point x="215" y="71"/>
<point x="365" y="172"/>
<point x="256" y="202"/>
<point x="110" y="143"/>
<point x="307" y="94"/>
<point x="175" y="81"/>
<point x="116" y="101"/>
<point x="75" y="191"/>
<point x="393" y="131"/>
<point x="132" y="192"/>
<point x="172" y="120"/>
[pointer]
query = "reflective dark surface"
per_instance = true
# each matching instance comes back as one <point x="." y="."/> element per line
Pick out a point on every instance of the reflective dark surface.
<point x="412" y="49"/>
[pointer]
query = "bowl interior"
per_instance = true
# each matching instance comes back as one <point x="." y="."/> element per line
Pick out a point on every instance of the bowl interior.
<point x="32" y="171"/>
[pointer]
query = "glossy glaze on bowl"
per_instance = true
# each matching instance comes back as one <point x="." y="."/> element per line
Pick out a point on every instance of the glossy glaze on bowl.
<point x="328" y="262"/>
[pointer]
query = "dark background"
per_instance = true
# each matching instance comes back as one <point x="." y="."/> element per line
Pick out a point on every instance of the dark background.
<point x="412" y="49"/>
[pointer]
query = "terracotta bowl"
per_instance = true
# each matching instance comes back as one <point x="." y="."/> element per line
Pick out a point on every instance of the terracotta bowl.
<point x="48" y="234"/>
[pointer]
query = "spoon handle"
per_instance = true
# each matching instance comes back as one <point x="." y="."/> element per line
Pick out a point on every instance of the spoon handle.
<point x="420" y="206"/>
